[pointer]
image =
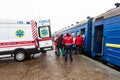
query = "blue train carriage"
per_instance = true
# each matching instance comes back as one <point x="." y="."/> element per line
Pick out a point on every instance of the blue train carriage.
<point x="106" y="36"/>
<point x="83" y="28"/>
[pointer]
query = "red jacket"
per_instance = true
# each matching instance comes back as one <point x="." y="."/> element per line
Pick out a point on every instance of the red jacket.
<point x="79" y="40"/>
<point x="56" y="40"/>
<point x="68" y="40"/>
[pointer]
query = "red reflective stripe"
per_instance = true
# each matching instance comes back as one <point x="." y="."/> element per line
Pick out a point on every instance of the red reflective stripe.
<point x="8" y="46"/>
<point x="16" y="44"/>
<point x="45" y="39"/>
<point x="34" y="33"/>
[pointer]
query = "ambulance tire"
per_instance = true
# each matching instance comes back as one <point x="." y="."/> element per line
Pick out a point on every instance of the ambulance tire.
<point x="20" y="55"/>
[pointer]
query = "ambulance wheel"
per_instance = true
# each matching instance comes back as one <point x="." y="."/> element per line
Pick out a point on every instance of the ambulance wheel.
<point x="20" y="55"/>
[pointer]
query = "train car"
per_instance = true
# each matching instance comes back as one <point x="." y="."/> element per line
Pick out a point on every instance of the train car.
<point x="82" y="28"/>
<point x="106" y="36"/>
<point x="102" y="35"/>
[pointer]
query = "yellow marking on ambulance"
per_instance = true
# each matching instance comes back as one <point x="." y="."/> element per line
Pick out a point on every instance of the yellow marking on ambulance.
<point x="19" y="33"/>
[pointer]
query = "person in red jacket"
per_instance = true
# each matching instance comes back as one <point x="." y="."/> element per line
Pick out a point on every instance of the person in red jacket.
<point x="68" y="41"/>
<point x="79" y="44"/>
<point x="56" y="43"/>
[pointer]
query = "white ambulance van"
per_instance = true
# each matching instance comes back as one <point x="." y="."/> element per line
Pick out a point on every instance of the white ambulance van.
<point x="17" y="39"/>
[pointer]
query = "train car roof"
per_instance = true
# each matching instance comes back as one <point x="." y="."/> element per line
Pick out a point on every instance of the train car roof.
<point x="78" y="24"/>
<point x="81" y="23"/>
<point x="108" y="14"/>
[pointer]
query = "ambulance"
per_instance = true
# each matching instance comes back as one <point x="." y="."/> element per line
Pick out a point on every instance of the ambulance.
<point x="19" y="39"/>
<point x="44" y="35"/>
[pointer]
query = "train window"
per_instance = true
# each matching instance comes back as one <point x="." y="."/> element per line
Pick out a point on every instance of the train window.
<point x="72" y="34"/>
<point x="77" y="33"/>
<point x="64" y="34"/>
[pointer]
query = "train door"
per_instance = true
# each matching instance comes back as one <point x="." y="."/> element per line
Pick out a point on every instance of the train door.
<point x="83" y="31"/>
<point x="98" y="40"/>
<point x="83" y="34"/>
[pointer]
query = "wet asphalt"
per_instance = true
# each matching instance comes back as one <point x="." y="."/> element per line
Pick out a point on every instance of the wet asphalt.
<point x="48" y="66"/>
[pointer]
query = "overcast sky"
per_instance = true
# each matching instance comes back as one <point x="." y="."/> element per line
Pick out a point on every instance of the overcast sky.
<point x="62" y="13"/>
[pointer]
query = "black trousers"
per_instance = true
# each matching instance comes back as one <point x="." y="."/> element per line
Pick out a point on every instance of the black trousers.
<point x="78" y="49"/>
<point x="68" y="48"/>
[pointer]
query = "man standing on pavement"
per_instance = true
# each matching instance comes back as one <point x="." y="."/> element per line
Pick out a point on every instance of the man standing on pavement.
<point x="79" y="44"/>
<point x="60" y="45"/>
<point x="56" y="43"/>
<point x="68" y="41"/>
